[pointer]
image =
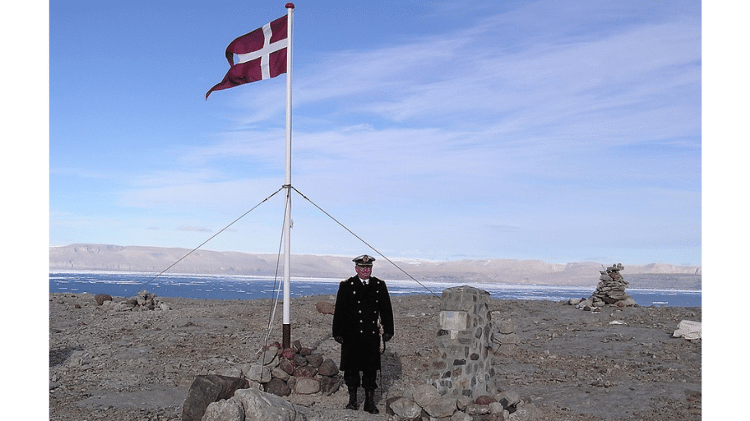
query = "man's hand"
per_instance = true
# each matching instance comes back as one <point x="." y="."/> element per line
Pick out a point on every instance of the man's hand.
<point x="387" y="337"/>
<point x="339" y="339"/>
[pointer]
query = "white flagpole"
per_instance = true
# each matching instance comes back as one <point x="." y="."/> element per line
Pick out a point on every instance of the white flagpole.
<point x="286" y="328"/>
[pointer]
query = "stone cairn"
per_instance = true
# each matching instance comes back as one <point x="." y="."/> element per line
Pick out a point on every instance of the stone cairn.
<point x="505" y="341"/>
<point x="293" y="370"/>
<point x="470" y="341"/>
<point x="610" y="290"/>
<point x="141" y="302"/>
<point x="463" y="366"/>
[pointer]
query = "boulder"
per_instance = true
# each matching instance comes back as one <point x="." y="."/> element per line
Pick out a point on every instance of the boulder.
<point x="506" y="326"/>
<point x="146" y="300"/>
<point x="101" y="298"/>
<point x="406" y="409"/>
<point x="306" y="371"/>
<point x="286" y="365"/>
<point x="425" y="395"/>
<point x="474" y="409"/>
<point x="299" y="360"/>
<point x="328" y="368"/>
<point x="288" y="353"/>
<point x="329" y="385"/>
<point x="277" y="387"/>
<point x="443" y="408"/>
<point x="315" y="360"/>
<point x="224" y="410"/>
<point x="261" y="406"/>
<point x="307" y="386"/>
<point x="268" y="356"/>
<point x="462" y="402"/>
<point x="484" y="400"/>
<point x="509" y="398"/>
<point x="278" y="373"/>
<point x="207" y="389"/>
<point x="259" y="374"/>
<point x="325" y="307"/>
<point x="461" y="416"/>
<point x="496" y="408"/>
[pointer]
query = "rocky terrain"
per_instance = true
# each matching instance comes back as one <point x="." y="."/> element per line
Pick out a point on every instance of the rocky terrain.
<point x="112" y="362"/>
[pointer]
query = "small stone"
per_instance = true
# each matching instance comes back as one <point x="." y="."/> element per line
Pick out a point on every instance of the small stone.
<point x="496" y="408"/>
<point x="315" y="360"/>
<point x="484" y="400"/>
<point x="299" y="360"/>
<point x="279" y="373"/>
<point x="307" y="386"/>
<point x="329" y="385"/>
<point x="286" y="365"/>
<point x="508" y="398"/>
<point x="474" y="409"/>
<point x="259" y="374"/>
<point x="101" y="298"/>
<point x="306" y="371"/>
<point x="288" y="353"/>
<point x="328" y="368"/>
<point x="268" y="356"/>
<point x="278" y="387"/>
<point x="462" y="402"/>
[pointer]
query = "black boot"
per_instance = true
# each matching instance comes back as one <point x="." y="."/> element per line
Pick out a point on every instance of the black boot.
<point x="352" y="399"/>
<point x="370" y="402"/>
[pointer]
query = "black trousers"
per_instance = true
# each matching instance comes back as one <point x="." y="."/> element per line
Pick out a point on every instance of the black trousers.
<point x="351" y="378"/>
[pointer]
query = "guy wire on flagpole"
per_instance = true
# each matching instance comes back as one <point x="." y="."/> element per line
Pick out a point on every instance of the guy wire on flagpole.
<point x="362" y="240"/>
<point x="286" y="326"/>
<point x="212" y="237"/>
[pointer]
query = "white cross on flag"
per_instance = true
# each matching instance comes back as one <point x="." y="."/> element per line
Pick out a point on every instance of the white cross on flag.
<point x="261" y="54"/>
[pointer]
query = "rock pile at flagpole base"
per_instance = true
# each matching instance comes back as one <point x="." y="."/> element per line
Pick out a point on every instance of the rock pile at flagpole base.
<point x="293" y="370"/>
<point x="609" y="291"/>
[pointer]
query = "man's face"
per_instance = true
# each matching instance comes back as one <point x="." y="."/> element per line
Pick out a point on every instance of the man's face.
<point x="364" y="272"/>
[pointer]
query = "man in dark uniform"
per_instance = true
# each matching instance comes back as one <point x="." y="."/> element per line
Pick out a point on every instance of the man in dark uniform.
<point x="360" y="301"/>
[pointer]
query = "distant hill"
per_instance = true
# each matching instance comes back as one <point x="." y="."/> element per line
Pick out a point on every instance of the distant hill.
<point x="100" y="257"/>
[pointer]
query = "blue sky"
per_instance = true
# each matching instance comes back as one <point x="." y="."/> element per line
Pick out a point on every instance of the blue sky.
<point x="555" y="130"/>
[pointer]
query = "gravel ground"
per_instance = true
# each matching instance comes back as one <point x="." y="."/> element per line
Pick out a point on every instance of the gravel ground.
<point x="618" y="364"/>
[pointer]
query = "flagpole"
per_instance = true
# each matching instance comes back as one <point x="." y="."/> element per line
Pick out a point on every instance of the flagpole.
<point x="286" y="327"/>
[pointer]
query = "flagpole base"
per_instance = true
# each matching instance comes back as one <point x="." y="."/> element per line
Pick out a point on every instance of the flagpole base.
<point x="286" y="334"/>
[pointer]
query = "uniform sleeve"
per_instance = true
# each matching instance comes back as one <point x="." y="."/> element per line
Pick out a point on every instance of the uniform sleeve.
<point x="386" y="312"/>
<point x="338" y="328"/>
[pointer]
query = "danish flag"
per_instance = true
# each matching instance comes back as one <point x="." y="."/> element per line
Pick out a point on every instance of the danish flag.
<point x="261" y="54"/>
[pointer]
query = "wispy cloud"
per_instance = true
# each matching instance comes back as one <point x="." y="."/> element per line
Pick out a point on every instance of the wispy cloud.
<point x="537" y="120"/>
<point x="193" y="229"/>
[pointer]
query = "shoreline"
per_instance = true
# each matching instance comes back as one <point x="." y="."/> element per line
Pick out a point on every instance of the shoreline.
<point x="324" y="280"/>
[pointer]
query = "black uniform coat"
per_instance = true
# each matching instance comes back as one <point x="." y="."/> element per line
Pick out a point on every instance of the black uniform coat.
<point x="356" y="320"/>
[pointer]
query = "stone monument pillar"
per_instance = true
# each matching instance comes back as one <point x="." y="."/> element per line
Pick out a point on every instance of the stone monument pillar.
<point x="462" y="365"/>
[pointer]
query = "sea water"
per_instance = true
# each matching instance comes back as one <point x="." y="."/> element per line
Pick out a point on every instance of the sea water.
<point x="229" y="287"/>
